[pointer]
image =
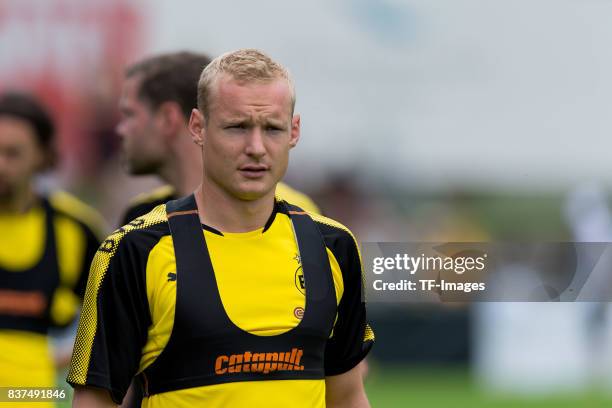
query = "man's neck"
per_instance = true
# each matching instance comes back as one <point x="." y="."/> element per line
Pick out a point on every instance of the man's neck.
<point x="226" y="213"/>
<point x="183" y="171"/>
<point x="20" y="202"/>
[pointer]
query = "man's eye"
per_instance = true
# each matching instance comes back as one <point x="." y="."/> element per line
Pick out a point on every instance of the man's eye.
<point x="274" y="129"/>
<point x="12" y="153"/>
<point x="236" y="126"/>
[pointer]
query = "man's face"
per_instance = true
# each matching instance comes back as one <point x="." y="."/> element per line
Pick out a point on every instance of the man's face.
<point x="21" y="156"/>
<point x="143" y="145"/>
<point x="247" y="136"/>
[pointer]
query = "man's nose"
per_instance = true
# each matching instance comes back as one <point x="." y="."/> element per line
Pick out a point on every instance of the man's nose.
<point x="255" y="143"/>
<point x="120" y="129"/>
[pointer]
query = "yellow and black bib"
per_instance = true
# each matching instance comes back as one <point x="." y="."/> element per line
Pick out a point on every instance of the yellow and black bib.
<point x="206" y="347"/>
<point x="26" y="296"/>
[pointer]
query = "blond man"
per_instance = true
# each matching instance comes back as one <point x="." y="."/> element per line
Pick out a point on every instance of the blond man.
<point x="229" y="296"/>
<point x="157" y="97"/>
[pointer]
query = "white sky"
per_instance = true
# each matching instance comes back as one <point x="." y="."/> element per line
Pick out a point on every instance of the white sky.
<point x="472" y="93"/>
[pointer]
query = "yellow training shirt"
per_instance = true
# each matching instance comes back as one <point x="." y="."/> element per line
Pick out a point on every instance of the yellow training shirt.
<point x="129" y="308"/>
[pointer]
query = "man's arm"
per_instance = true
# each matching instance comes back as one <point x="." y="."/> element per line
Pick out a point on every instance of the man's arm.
<point x="91" y="397"/>
<point x="352" y="337"/>
<point x="346" y="390"/>
<point x="115" y="318"/>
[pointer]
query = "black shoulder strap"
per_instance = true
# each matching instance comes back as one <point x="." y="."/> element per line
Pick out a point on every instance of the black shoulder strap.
<point x="186" y="230"/>
<point x="194" y="269"/>
<point x="313" y="253"/>
<point x="50" y="255"/>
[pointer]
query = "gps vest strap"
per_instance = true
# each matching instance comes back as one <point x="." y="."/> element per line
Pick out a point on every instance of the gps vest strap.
<point x="206" y="347"/>
<point x="26" y="296"/>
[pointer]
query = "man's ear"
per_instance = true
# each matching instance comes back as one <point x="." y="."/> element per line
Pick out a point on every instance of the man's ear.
<point x="170" y="118"/>
<point x="295" y="131"/>
<point x="197" y="126"/>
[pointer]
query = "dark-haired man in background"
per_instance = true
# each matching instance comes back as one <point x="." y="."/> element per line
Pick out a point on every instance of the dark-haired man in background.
<point x="47" y="242"/>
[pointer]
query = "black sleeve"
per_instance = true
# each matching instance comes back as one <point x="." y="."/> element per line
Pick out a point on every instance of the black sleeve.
<point x="352" y="337"/>
<point x="115" y="318"/>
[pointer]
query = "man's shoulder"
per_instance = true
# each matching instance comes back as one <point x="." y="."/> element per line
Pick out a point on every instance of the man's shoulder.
<point x="146" y="202"/>
<point x="332" y="229"/>
<point x="67" y="205"/>
<point x="295" y="197"/>
<point x="163" y="193"/>
<point x="342" y="244"/>
<point x="141" y="233"/>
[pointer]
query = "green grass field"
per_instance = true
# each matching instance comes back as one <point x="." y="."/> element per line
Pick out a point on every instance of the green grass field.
<point x="444" y="388"/>
<point x="390" y="387"/>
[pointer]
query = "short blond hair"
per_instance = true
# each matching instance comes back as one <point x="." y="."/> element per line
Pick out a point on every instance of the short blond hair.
<point x="244" y="65"/>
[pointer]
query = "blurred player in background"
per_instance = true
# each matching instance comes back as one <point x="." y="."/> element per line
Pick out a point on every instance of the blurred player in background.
<point x="200" y="297"/>
<point x="46" y="246"/>
<point x="157" y="98"/>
